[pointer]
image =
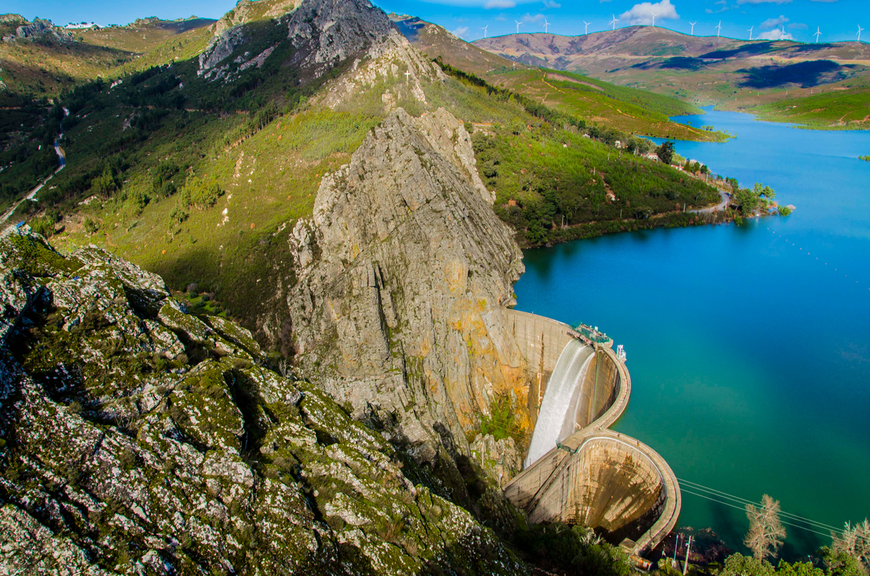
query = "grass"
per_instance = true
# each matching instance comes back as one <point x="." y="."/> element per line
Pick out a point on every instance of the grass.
<point x="846" y="109"/>
<point x="548" y="181"/>
<point x="625" y="109"/>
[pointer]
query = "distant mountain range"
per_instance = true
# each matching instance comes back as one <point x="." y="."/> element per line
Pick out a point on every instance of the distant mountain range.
<point x="734" y="74"/>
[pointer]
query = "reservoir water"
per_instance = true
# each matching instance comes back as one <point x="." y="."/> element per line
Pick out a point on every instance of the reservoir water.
<point x="748" y="347"/>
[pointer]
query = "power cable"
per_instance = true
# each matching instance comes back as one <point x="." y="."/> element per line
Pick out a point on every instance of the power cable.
<point x="719" y="493"/>
<point x="730" y="505"/>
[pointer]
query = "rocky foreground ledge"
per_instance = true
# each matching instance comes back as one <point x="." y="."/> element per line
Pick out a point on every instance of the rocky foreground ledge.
<point x="136" y="438"/>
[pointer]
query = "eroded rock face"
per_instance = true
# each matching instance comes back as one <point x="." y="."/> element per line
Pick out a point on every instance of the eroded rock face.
<point x="322" y="33"/>
<point x="138" y="439"/>
<point x="326" y="32"/>
<point x="404" y="272"/>
<point x="499" y="458"/>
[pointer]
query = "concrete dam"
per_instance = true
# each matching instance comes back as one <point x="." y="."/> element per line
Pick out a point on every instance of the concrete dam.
<point x="577" y="470"/>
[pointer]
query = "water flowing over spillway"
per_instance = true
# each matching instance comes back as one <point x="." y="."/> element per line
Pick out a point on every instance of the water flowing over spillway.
<point x="560" y="400"/>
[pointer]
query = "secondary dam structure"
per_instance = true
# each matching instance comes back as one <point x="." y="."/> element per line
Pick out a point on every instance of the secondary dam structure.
<point x="578" y="471"/>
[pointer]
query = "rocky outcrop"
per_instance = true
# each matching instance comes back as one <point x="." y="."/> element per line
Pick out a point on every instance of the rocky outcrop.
<point x="136" y="438"/>
<point x="498" y="458"/>
<point x="219" y="49"/>
<point x="326" y="32"/>
<point x="403" y="277"/>
<point x="391" y="62"/>
<point x="228" y="33"/>
<point x="38" y="29"/>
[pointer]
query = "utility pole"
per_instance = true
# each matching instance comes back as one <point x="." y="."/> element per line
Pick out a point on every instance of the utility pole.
<point x="676" y="547"/>
<point x="688" y="550"/>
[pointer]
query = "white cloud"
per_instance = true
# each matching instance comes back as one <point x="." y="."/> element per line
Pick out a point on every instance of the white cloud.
<point x="491" y="4"/>
<point x="774" y="23"/>
<point x="775" y="35"/>
<point x="528" y="18"/>
<point x="643" y="13"/>
<point x="766" y="1"/>
<point x="461" y="32"/>
<point x="798" y="26"/>
<point x="551" y="4"/>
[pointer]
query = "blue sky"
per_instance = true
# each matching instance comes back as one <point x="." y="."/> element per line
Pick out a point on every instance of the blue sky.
<point x="837" y="19"/>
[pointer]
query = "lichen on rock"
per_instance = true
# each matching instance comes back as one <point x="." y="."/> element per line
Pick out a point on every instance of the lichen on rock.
<point x="136" y="438"/>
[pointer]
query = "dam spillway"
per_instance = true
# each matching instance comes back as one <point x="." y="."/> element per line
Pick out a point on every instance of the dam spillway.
<point x="556" y="417"/>
<point x="588" y="475"/>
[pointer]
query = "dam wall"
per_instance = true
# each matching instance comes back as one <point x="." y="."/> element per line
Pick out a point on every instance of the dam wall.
<point x="594" y="476"/>
<point x="596" y="487"/>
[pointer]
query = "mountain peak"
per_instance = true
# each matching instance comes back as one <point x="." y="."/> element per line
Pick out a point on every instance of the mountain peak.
<point x="334" y="30"/>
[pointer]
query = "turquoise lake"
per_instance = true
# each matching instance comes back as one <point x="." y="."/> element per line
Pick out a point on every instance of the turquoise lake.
<point x="748" y="347"/>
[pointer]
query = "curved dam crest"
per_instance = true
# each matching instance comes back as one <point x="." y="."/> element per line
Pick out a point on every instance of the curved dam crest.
<point x="578" y="471"/>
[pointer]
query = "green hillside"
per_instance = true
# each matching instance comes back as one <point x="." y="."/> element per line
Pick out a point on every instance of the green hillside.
<point x="844" y="109"/>
<point x="43" y="67"/>
<point x="629" y="110"/>
<point x="202" y="181"/>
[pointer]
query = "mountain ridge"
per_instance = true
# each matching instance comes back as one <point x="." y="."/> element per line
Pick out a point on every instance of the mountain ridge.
<point x="757" y="75"/>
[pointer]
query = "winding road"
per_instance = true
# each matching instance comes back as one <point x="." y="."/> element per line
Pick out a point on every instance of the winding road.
<point x="61" y="159"/>
<point x="718" y="207"/>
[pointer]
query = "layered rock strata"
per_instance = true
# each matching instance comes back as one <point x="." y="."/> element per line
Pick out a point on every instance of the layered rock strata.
<point x="404" y="273"/>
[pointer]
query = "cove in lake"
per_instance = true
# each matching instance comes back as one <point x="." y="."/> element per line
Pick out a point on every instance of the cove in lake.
<point x="748" y="347"/>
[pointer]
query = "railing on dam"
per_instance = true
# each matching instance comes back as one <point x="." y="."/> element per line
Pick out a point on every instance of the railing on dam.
<point x="598" y="477"/>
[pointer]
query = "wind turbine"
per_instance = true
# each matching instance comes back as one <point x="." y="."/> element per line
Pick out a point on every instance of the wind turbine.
<point x="751" y="28"/>
<point x="484" y="30"/>
<point x="654" y="19"/>
<point x="719" y="29"/>
<point x="587" y="27"/>
<point x="693" y="27"/>
<point x="546" y="25"/>
<point x="615" y="20"/>
<point x="817" y="34"/>
<point x="859" y="32"/>
<point x="518" y="25"/>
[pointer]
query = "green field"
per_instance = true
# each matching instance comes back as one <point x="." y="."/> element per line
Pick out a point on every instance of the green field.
<point x="626" y="109"/>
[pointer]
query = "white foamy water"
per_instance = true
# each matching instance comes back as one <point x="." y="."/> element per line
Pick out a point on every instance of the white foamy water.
<point x="560" y="400"/>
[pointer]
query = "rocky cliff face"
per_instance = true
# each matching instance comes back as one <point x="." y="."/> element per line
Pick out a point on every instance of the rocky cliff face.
<point x="404" y="273"/>
<point x="326" y="32"/>
<point x="138" y="439"/>
<point x="322" y="33"/>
